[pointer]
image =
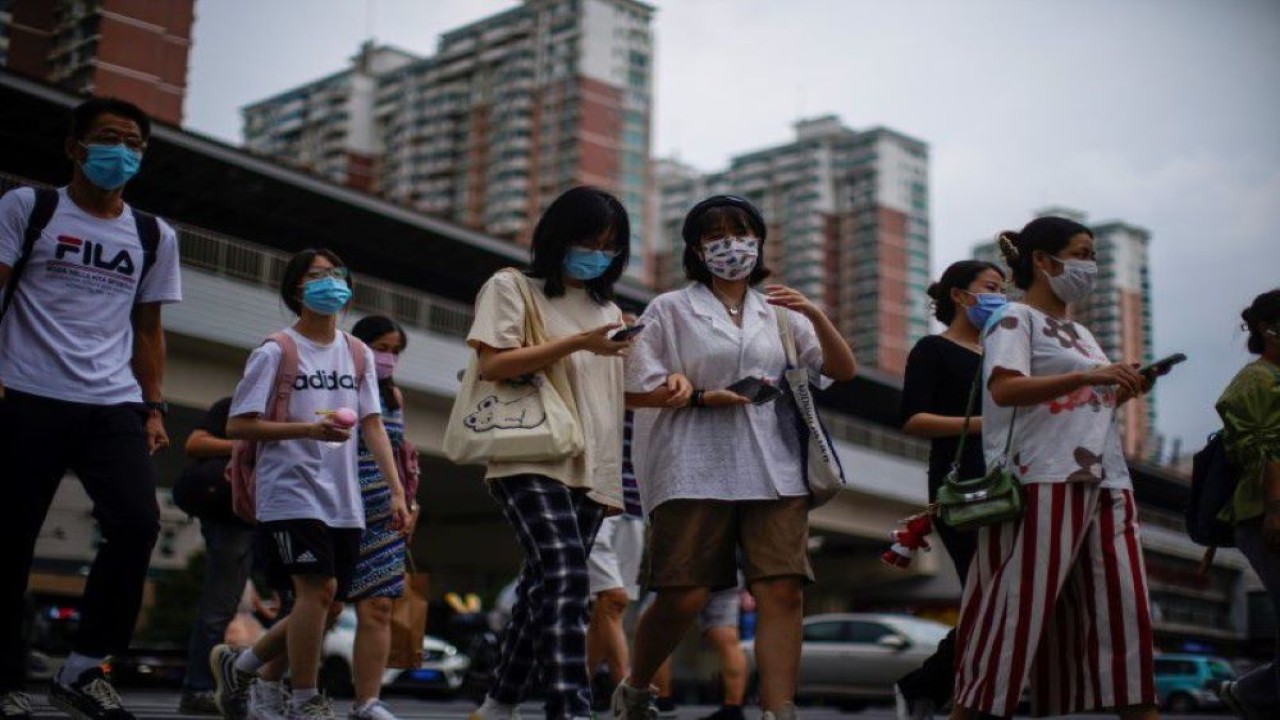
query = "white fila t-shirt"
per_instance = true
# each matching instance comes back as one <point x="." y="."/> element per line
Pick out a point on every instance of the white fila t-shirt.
<point x="68" y="335"/>
<point x="307" y="479"/>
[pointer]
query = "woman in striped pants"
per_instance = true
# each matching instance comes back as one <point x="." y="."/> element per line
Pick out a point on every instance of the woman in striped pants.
<point x="1056" y="599"/>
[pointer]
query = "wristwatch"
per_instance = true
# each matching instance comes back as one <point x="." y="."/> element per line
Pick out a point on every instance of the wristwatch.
<point x="161" y="407"/>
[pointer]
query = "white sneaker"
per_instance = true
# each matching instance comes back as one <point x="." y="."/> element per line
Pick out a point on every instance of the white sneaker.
<point x="491" y="709"/>
<point x="267" y="701"/>
<point x="372" y="710"/>
<point x="786" y="712"/>
<point x="630" y="703"/>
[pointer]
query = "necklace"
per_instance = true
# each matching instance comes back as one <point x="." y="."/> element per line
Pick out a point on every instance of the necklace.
<point x="975" y="347"/>
<point x="732" y="307"/>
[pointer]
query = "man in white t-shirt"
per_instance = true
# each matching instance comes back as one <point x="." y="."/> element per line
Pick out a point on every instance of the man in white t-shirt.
<point x="81" y="362"/>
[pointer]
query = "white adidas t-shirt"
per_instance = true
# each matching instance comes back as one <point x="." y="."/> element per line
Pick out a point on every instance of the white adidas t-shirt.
<point x="1072" y="438"/>
<point x="308" y="479"/>
<point x="67" y="335"/>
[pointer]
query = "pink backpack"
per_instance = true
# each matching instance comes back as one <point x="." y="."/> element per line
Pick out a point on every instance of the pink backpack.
<point x="244" y="453"/>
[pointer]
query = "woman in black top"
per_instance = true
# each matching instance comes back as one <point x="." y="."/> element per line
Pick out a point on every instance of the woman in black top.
<point x="940" y="372"/>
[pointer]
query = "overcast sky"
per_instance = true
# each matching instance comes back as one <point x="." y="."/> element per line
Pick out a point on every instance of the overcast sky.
<point x="1162" y="113"/>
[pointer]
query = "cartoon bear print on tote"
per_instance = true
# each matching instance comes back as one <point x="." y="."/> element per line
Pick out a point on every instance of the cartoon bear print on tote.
<point x="521" y="413"/>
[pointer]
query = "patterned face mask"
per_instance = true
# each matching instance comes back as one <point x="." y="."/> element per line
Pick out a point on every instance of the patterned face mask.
<point x="731" y="258"/>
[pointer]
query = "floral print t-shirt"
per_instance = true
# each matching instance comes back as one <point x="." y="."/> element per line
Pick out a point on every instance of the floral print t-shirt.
<point x="1071" y="438"/>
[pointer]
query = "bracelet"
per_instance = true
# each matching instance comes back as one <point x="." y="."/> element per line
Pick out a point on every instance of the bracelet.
<point x="696" y="399"/>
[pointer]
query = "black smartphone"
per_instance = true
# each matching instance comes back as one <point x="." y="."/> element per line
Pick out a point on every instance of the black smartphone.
<point x="626" y="333"/>
<point x="756" y="390"/>
<point x="1162" y="365"/>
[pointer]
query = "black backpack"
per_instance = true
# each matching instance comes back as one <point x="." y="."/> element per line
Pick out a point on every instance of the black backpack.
<point x="1213" y="485"/>
<point x="202" y="491"/>
<point x="42" y="212"/>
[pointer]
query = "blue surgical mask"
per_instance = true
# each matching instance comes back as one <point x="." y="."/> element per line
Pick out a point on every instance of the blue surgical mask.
<point x="982" y="310"/>
<point x="326" y="296"/>
<point x="110" y="166"/>
<point x="582" y="264"/>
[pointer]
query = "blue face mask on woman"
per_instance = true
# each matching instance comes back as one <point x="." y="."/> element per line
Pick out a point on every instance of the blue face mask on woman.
<point x="987" y="304"/>
<point x="109" y="167"/>
<point x="583" y="264"/>
<point x="326" y="296"/>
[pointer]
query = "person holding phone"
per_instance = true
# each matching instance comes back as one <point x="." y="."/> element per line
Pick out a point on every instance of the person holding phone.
<point x="1057" y="597"/>
<point x="940" y="372"/>
<point x="716" y="472"/>
<point x="1250" y="412"/>
<point x="581" y="247"/>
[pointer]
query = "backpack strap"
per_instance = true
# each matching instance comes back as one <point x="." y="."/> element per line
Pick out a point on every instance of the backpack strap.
<point x="148" y="227"/>
<point x="356" y="346"/>
<point x="286" y="372"/>
<point x="37" y="221"/>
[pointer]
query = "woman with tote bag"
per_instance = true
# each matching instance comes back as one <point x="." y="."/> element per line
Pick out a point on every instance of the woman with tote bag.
<point x="720" y="463"/>
<point x="549" y="331"/>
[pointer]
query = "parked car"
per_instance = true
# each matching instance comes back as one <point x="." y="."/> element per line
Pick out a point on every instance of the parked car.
<point x="442" y="671"/>
<point x="855" y="658"/>
<point x="1189" y="683"/>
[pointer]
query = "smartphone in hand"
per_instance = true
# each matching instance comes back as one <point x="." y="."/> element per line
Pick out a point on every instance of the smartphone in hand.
<point x="756" y="390"/>
<point x="626" y="333"/>
<point x="1162" y="366"/>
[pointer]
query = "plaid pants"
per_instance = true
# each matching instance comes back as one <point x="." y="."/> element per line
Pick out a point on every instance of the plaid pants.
<point x="548" y="630"/>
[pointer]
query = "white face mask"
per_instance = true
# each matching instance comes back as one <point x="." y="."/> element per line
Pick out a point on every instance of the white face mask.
<point x="731" y="258"/>
<point x="1076" y="281"/>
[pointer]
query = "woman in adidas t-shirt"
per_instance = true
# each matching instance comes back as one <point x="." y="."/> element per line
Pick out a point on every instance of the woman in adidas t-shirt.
<point x="309" y="511"/>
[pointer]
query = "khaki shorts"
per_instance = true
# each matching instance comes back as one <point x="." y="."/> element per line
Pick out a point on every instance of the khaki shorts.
<point x="694" y="543"/>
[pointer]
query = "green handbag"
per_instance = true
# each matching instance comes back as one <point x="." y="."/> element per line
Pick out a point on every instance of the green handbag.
<point x="988" y="500"/>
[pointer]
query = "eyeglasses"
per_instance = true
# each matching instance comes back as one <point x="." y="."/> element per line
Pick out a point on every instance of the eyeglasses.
<point x="337" y="273"/>
<point x="133" y="142"/>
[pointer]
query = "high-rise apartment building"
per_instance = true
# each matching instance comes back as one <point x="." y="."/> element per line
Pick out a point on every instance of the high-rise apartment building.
<point x="848" y="218"/>
<point x="132" y="49"/>
<point x="511" y="111"/>
<point x="329" y="126"/>
<point x="1118" y="312"/>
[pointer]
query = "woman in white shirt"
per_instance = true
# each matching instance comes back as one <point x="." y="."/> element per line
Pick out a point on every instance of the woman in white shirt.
<point x="718" y="474"/>
<point x="1058" y="597"/>
<point x="580" y="249"/>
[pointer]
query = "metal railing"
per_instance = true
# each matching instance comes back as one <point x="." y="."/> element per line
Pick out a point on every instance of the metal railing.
<point x="252" y="263"/>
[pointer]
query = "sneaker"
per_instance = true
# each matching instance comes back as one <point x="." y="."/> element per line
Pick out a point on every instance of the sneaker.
<point x="634" y="703"/>
<point x="15" y="706"/>
<point x="1227" y="691"/>
<point x="231" y="685"/>
<point x="317" y="708"/>
<point x="666" y="707"/>
<point x="89" y="698"/>
<point x="267" y="701"/>
<point x="198" y="702"/>
<point x="376" y="710"/>
<point x="491" y="709"/>
<point x="786" y="712"/>
<point x="914" y="708"/>
<point x="726" y="712"/>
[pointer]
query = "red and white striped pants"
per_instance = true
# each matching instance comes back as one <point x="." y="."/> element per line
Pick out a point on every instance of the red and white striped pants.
<point x="1058" y="598"/>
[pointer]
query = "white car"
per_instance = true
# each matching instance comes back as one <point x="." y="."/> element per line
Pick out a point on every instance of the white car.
<point x="442" y="671"/>
<point x="854" y="658"/>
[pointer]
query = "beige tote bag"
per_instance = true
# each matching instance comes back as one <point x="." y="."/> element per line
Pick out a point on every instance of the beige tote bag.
<point x="529" y="419"/>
